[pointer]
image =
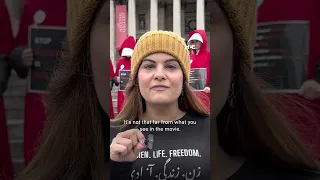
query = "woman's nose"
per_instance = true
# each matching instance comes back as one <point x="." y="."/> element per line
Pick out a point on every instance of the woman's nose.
<point x="159" y="74"/>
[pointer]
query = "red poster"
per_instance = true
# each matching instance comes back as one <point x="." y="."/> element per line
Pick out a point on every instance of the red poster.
<point x="121" y="24"/>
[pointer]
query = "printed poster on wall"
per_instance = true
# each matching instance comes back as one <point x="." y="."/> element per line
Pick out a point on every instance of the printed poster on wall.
<point x="198" y="78"/>
<point x="46" y="43"/>
<point x="121" y="24"/>
<point x="281" y="54"/>
<point x="124" y="79"/>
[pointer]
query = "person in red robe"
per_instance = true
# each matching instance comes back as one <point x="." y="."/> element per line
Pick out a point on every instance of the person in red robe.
<point x="6" y="45"/>
<point x="309" y="94"/>
<point x="42" y="13"/>
<point x="200" y="58"/>
<point x="111" y="85"/>
<point x="124" y="63"/>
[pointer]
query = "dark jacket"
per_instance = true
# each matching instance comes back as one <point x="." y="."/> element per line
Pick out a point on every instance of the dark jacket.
<point x="4" y="73"/>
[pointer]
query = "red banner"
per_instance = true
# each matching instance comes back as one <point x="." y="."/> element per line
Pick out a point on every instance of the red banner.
<point x="121" y="24"/>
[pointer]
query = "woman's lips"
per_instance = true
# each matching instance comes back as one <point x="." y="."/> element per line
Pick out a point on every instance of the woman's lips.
<point x="159" y="87"/>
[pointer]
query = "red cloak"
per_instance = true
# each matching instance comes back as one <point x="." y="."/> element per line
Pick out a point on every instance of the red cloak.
<point x="124" y="63"/>
<point x="6" y="45"/>
<point x="35" y="113"/>
<point x="111" y="77"/>
<point x="202" y="60"/>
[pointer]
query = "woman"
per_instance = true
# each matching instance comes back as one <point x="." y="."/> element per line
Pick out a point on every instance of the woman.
<point x="249" y="139"/>
<point x="200" y="58"/>
<point x="42" y="13"/>
<point x="200" y="54"/>
<point x="124" y="62"/>
<point x="111" y="85"/>
<point x="159" y="91"/>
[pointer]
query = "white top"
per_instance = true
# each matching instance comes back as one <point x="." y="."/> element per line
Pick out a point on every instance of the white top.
<point x="127" y="52"/>
<point x="195" y="36"/>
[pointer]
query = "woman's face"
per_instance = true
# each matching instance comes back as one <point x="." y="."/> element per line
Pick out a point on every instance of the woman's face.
<point x="221" y="48"/>
<point x="221" y="43"/>
<point x="197" y="44"/>
<point x="160" y="79"/>
<point x="100" y="56"/>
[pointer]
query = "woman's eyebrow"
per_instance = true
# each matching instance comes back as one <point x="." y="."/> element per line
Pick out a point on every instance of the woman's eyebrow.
<point x="168" y="60"/>
<point x="148" y="60"/>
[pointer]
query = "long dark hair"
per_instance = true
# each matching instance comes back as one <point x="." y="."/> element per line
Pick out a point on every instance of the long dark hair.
<point x="72" y="141"/>
<point x="253" y="124"/>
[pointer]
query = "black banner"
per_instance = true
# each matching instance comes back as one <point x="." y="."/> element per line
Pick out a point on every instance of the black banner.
<point x="281" y="53"/>
<point x="124" y="79"/>
<point x="198" y="78"/>
<point x="46" y="43"/>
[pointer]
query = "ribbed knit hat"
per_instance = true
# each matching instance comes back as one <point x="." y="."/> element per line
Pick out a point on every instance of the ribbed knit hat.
<point x="161" y="41"/>
<point x="240" y="13"/>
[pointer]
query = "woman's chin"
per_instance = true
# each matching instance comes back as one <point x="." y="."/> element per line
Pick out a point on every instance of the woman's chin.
<point x="157" y="99"/>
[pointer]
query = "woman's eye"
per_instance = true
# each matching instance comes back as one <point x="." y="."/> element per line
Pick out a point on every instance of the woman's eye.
<point x="171" y="66"/>
<point x="151" y="66"/>
<point x="148" y="66"/>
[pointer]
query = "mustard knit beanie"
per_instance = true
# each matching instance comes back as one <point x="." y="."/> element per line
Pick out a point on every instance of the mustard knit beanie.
<point x="240" y="13"/>
<point x="161" y="41"/>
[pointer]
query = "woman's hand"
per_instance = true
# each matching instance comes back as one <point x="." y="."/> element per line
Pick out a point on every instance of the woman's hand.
<point x="206" y="89"/>
<point x="116" y="80"/>
<point x="310" y="90"/>
<point x="27" y="57"/>
<point x="125" y="147"/>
